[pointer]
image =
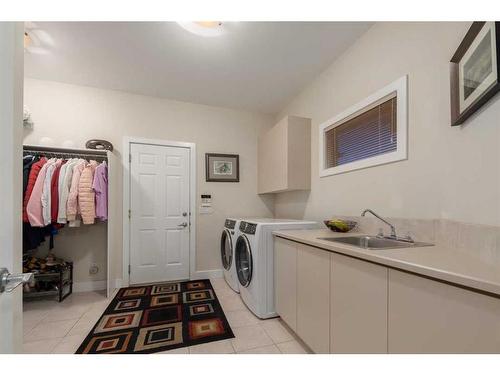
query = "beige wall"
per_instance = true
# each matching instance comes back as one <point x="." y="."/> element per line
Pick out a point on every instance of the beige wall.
<point x="68" y="112"/>
<point x="450" y="173"/>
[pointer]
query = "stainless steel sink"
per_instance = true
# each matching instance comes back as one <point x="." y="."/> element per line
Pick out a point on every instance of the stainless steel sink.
<point x="374" y="243"/>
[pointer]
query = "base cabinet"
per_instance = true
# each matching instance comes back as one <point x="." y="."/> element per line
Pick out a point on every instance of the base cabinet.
<point x="358" y="306"/>
<point x="285" y="282"/>
<point x="339" y="304"/>
<point x="313" y="298"/>
<point x="427" y="316"/>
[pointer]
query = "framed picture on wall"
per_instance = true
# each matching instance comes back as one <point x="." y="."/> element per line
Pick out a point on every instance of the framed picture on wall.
<point x="222" y="167"/>
<point x="475" y="70"/>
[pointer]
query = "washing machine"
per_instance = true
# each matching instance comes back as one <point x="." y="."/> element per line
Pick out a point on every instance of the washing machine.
<point x="254" y="262"/>
<point x="227" y="241"/>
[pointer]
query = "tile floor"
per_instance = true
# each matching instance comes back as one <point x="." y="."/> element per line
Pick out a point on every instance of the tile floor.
<point x="60" y="328"/>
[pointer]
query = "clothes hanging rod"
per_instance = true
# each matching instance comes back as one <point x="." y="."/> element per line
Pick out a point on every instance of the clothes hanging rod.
<point x="65" y="155"/>
<point x="65" y="151"/>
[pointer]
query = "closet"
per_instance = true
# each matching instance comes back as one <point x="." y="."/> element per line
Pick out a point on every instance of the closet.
<point x="65" y="191"/>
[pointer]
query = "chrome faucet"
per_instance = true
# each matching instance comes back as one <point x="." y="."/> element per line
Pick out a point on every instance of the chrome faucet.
<point x="393" y="235"/>
<point x="393" y="228"/>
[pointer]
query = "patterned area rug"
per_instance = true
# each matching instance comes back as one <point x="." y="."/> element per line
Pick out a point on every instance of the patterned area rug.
<point x="158" y="317"/>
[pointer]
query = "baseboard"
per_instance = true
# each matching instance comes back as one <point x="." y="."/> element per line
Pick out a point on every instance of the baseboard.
<point x="198" y="275"/>
<point x="89" y="286"/>
<point x="118" y="283"/>
<point x="208" y="274"/>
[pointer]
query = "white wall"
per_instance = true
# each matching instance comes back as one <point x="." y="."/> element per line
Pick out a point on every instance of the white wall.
<point x="450" y="173"/>
<point x="69" y="112"/>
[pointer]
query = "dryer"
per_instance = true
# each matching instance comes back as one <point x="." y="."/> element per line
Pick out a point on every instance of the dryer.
<point x="227" y="241"/>
<point x="254" y="261"/>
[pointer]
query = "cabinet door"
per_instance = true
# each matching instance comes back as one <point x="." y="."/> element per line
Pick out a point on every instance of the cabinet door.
<point x="313" y="297"/>
<point x="358" y="306"/>
<point x="427" y="316"/>
<point x="272" y="159"/>
<point x="285" y="284"/>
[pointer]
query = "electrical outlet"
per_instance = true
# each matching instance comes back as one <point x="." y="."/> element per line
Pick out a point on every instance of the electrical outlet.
<point x="93" y="269"/>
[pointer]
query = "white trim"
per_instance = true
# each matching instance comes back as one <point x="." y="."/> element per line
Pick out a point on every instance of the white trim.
<point x="400" y="87"/>
<point x="207" y="274"/>
<point x="89" y="286"/>
<point x="127" y="141"/>
<point x="111" y="219"/>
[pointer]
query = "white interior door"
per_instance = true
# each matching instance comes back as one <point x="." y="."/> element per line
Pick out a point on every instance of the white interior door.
<point x="11" y="119"/>
<point x="159" y="221"/>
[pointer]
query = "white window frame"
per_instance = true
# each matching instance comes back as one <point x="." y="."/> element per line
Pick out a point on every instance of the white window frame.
<point x="398" y="88"/>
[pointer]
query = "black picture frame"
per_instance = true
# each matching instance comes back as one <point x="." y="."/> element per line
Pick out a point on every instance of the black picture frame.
<point x="211" y="158"/>
<point x="459" y="116"/>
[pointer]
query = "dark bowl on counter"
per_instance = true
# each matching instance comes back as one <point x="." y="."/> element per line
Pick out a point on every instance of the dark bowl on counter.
<point x="350" y="226"/>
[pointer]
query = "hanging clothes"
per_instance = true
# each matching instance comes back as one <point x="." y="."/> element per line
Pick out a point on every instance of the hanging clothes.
<point x="72" y="205"/>
<point x="33" y="175"/>
<point x="34" y="208"/>
<point x="86" y="195"/>
<point x="28" y="161"/>
<point x="33" y="237"/>
<point x="46" y="192"/>
<point x="54" y="192"/>
<point x="67" y="170"/>
<point x="100" y="186"/>
<point x="58" y="192"/>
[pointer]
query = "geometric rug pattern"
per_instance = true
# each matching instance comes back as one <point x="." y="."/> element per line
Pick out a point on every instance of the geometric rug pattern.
<point x="158" y="317"/>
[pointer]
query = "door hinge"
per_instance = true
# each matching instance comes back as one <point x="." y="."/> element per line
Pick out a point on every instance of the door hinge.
<point x="129" y="214"/>
<point x="129" y="269"/>
<point x="130" y="158"/>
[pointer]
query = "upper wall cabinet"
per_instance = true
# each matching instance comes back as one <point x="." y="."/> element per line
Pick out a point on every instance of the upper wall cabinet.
<point x="284" y="156"/>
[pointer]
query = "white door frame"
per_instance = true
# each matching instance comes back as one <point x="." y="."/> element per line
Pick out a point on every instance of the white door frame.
<point x="127" y="141"/>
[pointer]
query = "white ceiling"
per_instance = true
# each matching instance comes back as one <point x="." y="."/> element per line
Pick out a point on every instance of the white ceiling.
<point x="257" y="66"/>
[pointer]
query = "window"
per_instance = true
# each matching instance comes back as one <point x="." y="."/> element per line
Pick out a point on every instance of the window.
<point x="372" y="132"/>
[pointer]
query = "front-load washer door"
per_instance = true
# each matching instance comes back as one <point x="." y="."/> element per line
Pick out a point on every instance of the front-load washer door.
<point x="244" y="264"/>
<point x="226" y="249"/>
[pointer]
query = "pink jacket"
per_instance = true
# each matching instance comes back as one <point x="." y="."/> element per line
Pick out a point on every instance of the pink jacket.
<point x="100" y="186"/>
<point x="34" y="207"/>
<point x="86" y="195"/>
<point x="72" y="204"/>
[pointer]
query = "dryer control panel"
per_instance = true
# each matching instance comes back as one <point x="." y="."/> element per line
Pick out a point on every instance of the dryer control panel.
<point x="248" y="228"/>
<point x="230" y="224"/>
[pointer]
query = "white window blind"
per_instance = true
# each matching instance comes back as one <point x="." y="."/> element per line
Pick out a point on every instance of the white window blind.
<point x="369" y="134"/>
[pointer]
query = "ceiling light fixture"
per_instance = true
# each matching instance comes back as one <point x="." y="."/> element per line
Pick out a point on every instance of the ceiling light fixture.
<point x="27" y="40"/>
<point x="36" y="40"/>
<point x="204" y="28"/>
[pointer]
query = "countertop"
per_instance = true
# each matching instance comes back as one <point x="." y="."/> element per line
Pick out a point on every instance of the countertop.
<point x="436" y="261"/>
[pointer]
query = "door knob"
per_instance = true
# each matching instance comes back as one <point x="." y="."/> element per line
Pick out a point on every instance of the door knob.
<point x="9" y="282"/>
<point x="183" y="225"/>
